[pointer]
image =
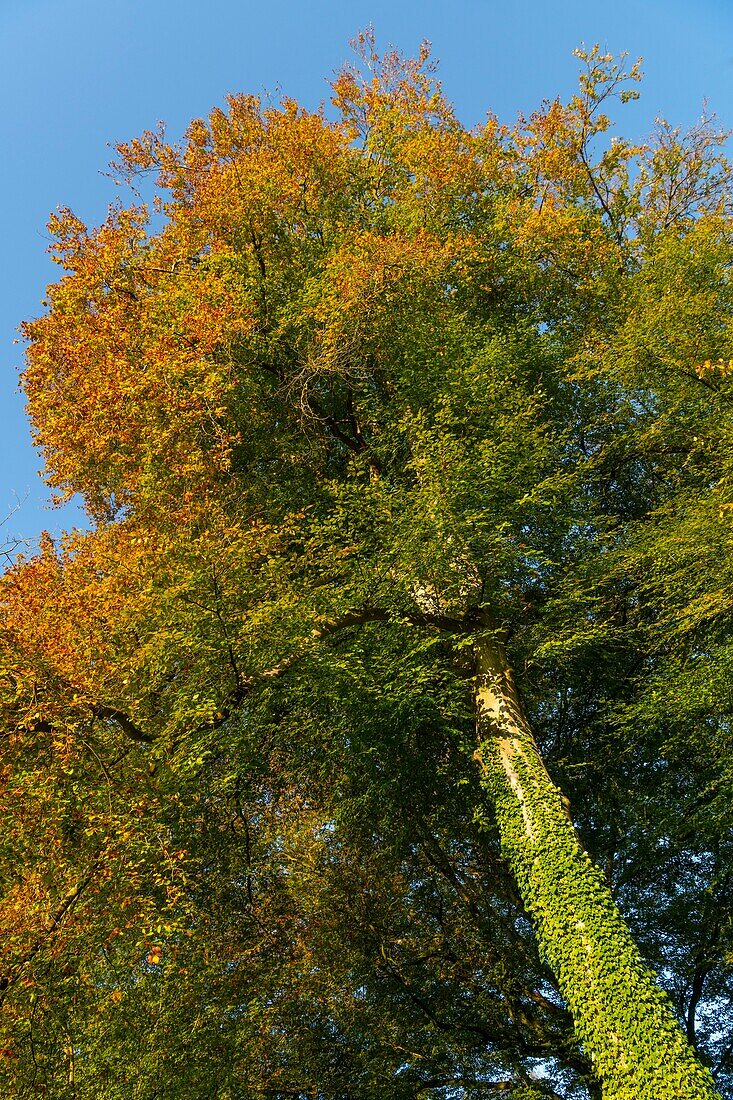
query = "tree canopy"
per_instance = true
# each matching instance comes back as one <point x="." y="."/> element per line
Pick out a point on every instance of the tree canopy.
<point x="376" y="738"/>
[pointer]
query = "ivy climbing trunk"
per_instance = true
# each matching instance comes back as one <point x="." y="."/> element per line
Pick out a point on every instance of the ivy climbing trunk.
<point x="625" y="1023"/>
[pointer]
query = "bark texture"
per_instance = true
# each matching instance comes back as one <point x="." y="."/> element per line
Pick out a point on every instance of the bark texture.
<point x="624" y="1021"/>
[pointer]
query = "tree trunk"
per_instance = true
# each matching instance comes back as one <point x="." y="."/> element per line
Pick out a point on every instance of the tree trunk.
<point x="623" y="1020"/>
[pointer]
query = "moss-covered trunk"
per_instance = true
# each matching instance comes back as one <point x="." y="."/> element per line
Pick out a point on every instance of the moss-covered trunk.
<point x="625" y="1023"/>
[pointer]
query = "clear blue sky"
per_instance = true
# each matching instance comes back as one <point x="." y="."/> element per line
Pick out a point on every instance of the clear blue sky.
<point x="77" y="75"/>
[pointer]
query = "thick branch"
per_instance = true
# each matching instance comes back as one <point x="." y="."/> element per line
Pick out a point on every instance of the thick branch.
<point x="358" y="617"/>
<point x="126" y="724"/>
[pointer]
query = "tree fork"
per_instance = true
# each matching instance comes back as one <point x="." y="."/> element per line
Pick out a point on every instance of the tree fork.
<point x="624" y="1021"/>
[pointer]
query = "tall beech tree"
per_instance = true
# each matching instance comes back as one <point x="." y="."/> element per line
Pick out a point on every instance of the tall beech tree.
<point x="376" y="740"/>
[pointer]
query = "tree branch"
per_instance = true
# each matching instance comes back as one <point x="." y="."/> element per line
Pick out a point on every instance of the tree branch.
<point x="67" y="903"/>
<point x="126" y="724"/>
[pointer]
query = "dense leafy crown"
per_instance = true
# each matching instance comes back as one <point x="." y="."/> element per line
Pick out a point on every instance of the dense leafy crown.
<point x="353" y="378"/>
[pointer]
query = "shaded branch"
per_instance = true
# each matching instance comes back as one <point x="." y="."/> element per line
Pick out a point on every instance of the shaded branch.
<point x="126" y="724"/>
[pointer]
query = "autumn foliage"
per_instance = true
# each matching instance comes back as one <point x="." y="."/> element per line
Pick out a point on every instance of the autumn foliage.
<point x="358" y="390"/>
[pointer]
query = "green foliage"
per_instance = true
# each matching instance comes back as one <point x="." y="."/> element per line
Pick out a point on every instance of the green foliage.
<point x="380" y="392"/>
